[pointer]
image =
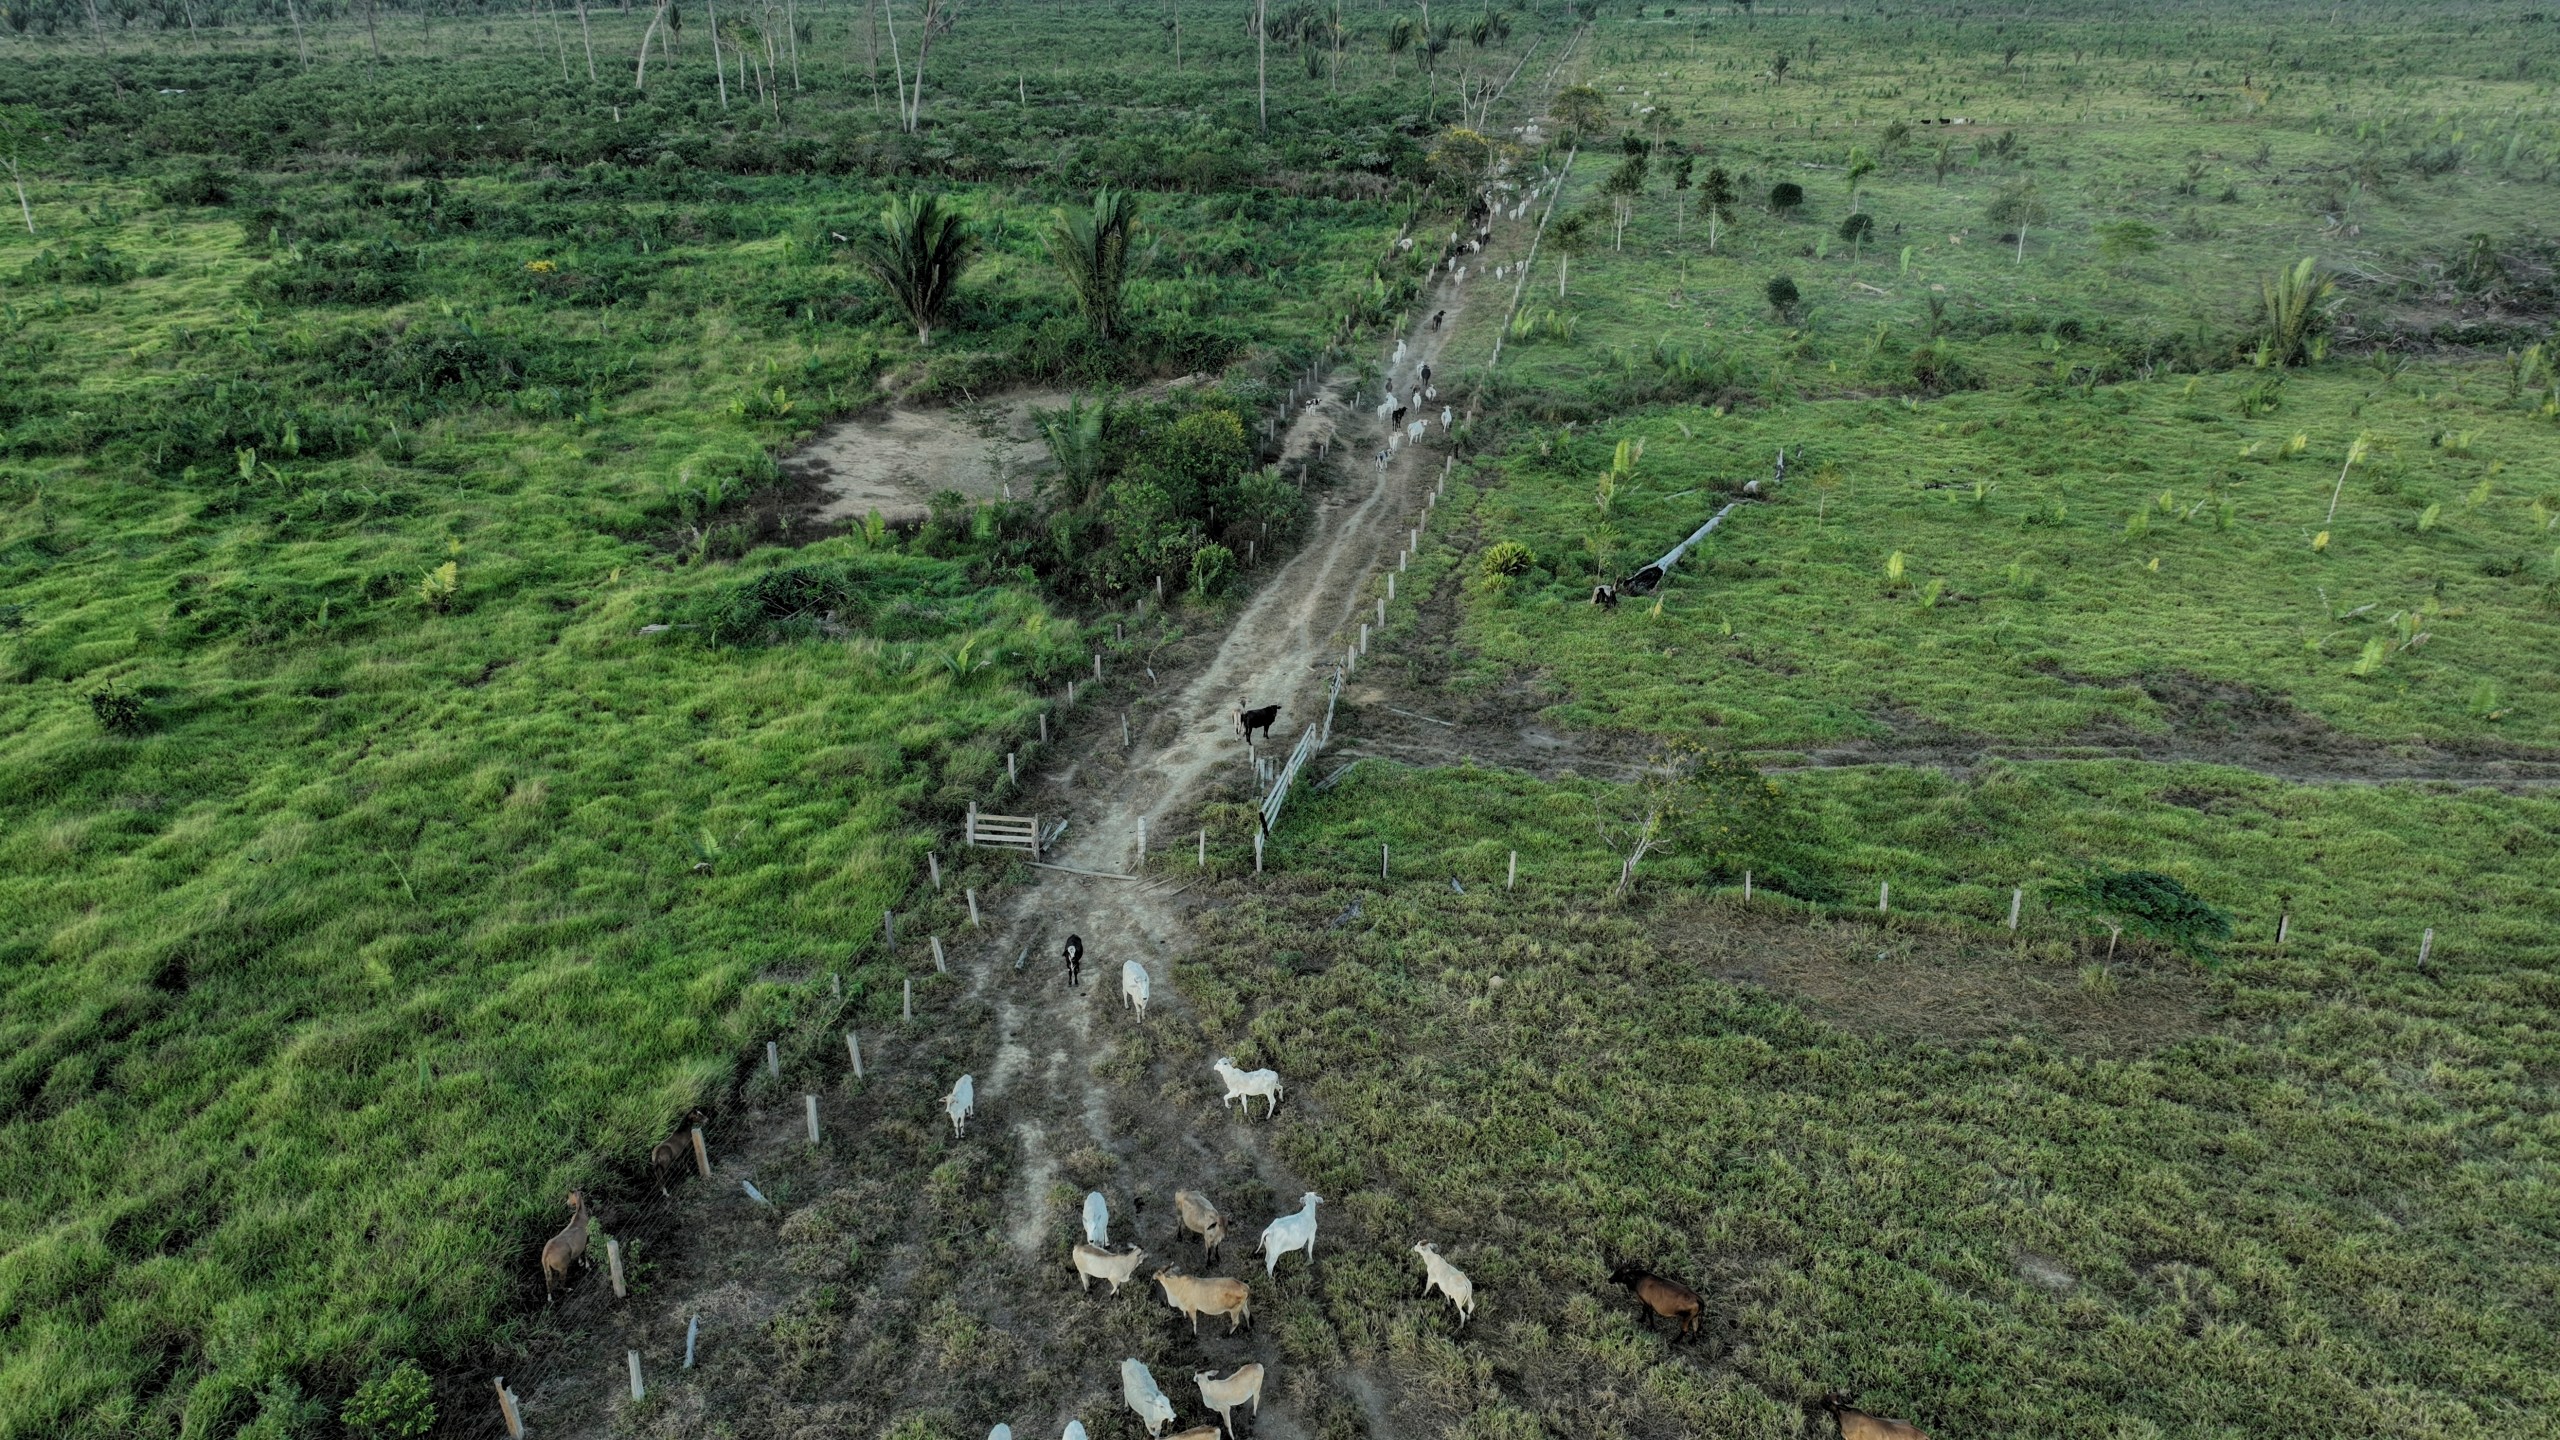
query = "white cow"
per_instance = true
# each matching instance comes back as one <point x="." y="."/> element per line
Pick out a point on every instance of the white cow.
<point x="1290" y="1232"/>
<point x="1133" y="987"/>
<point x="1097" y="1220"/>
<point x="1139" y="1389"/>
<point x="1245" y="1084"/>
<point x="1448" y="1279"/>
<point x="962" y="1100"/>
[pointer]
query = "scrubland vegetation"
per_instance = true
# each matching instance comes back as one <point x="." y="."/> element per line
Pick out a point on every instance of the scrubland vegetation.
<point x="438" y="743"/>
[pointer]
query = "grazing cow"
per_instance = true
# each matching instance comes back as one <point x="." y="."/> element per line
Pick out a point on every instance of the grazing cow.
<point x="1242" y="1388"/>
<point x="1245" y="1084"/>
<point x="1605" y="596"/>
<point x="1093" y="1263"/>
<point x="1668" y="1299"/>
<point x="1436" y="317"/>
<point x="1097" y="1219"/>
<point x="564" y="1249"/>
<point x="1859" y="1425"/>
<point x="1426" y="374"/>
<point x="1294" y="1231"/>
<point x="666" y="1158"/>
<point x="1448" y="1279"/>
<point x="1396" y="416"/>
<point x="1075" y="960"/>
<point x="1197" y="1295"/>
<point x="1202" y="1219"/>
<point x="959" y="1104"/>
<point x="1133" y="988"/>
<point x="1138" y="1388"/>
<point x="1248" y="721"/>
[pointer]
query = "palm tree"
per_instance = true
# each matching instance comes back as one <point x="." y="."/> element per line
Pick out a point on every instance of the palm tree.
<point x="1074" y="436"/>
<point x="1091" y="250"/>
<point x="917" y="255"/>
<point x="1399" y="39"/>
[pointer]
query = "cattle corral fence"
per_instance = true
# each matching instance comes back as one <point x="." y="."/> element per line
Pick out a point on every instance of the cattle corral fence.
<point x="1018" y="832"/>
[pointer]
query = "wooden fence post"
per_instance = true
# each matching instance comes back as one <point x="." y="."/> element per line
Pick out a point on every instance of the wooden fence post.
<point x="1382" y="605"/>
<point x="1124" y="729"/>
<point x="1204" y="847"/>
<point x="1012" y="772"/>
<point x="633" y="1357"/>
<point x="1391" y="587"/>
<point x="613" y="1266"/>
<point x="889" y="927"/>
<point x="938" y="966"/>
<point x="1382" y="862"/>
<point x="1512" y="880"/>
<point x="1746" y="884"/>
<point x="1097" y="664"/>
<point x="1884" y="897"/>
<point x="773" y="1059"/>
<point x="507" y="1411"/>
<point x="1142" y="842"/>
<point x="907" y="999"/>
<point x="2284" y="926"/>
<point x="2426" y="946"/>
<point x="973" y="907"/>
<point x="1257" y="851"/>
<point x="1364" y="637"/>
<point x="701" y="1154"/>
<point x="835" y="984"/>
<point x="853" y="1048"/>
<point x="2017" y="898"/>
<point x="1044" y="727"/>
<point x="933" y="865"/>
<point x="811" y="1102"/>
<point x="692" y="1328"/>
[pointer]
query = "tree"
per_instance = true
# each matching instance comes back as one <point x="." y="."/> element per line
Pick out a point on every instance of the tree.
<point x="23" y="137"/>
<point x="1399" y="39"/>
<point x="1943" y="159"/>
<point x="2294" y="308"/>
<point x="2147" y="903"/>
<point x="1461" y="160"/>
<point x="1091" y="250"/>
<point x="1778" y="70"/>
<point x="918" y="254"/>
<point x="1074" y="436"/>
<point x="1860" y="167"/>
<point x="1436" y="40"/>
<point x="1718" y="195"/>
<point x="1681" y="169"/>
<point x="1718" y="808"/>
<point x="1783" y="295"/>
<point x="1261" y="68"/>
<point x="1579" y="109"/>
<point x="1572" y="236"/>
<point x="1624" y="185"/>
<point x="1856" y="227"/>
<point x="2121" y="240"/>
<point x="2020" y="205"/>
<point x="1785" y="196"/>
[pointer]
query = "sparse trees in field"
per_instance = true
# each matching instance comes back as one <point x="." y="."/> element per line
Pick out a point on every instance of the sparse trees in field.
<point x="2021" y="205"/>
<point x="1943" y="159"/>
<point x="1778" y="68"/>
<point x="1860" y="167"/>
<point x="1717" y="195"/>
<point x="1856" y="227"/>
<point x="1783" y="295"/>
<point x="1571" y="236"/>
<point x="1624" y="185"/>
<point x="23" y="137"/>
<point x="1090" y="249"/>
<point x="1681" y="168"/>
<point x="918" y="254"/>
<point x="2294" y="309"/>
<point x="1785" y="197"/>
<point x="1578" y="108"/>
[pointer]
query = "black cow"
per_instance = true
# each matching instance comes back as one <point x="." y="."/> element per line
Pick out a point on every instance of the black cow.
<point x="1249" y="721"/>
<point x="1075" y="960"/>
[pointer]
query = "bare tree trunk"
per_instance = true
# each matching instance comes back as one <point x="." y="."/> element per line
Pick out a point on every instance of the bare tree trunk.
<point x="714" y="8"/>
<point x="20" y="182"/>
<point x="558" y="43"/>
<point x="791" y="32"/>
<point x="871" y="49"/>
<point x="924" y="42"/>
<point x="889" y="9"/>
<point x="98" y="27"/>
<point x="1261" y="78"/>
<point x="640" y="71"/>
<point x="293" y="12"/>
<point x="588" y="39"/>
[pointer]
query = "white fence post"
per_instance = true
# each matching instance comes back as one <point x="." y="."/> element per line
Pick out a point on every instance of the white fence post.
<point x="811" y="1101"/>
<point x="1884" y="897"/>
<point x="2017" y="898"/>
<point x="938" y="966"/>
<point x="1512" y="880"/>
<point x="972" y="893"/>
<point x="507" y="1410"/>
<point x="853" y="1049"/>
<point x="637" y="1393"/>
<point x="907" y="999"/>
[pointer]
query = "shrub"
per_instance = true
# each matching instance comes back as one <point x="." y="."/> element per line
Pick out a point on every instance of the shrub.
<point x="118" y="710"/>
<point x="79" y="265"/>
<point x="1509" y="559"/>
<point x="1784" y="196"/>
<point x="1857" y="229"/>
<point x="1783" y="295"/>
<point x="396" y="1405"/>
<point x="1213" y="569"/>
<point x="2147" y="904"/>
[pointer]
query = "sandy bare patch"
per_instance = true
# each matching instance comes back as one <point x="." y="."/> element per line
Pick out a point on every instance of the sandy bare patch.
<point x="898" y="461"/>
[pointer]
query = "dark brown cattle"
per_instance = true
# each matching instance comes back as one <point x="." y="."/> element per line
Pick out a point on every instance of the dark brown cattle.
<point x="1668" y="1299"/>
<point x="666" y="1158"/>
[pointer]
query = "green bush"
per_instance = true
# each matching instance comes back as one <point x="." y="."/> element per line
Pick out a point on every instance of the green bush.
<point x="1785" y="196"/>
<point x="1213" y="569"/>
<point x="118" y="710"/>
<point x="1509" y="559"/>
<point x="1783" y="295"/>
<point x="396" y="1405"/>
<point x="2147" y="904"/>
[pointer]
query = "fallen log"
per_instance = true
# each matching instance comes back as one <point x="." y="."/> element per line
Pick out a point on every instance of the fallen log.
<point x="1643" y="581"/>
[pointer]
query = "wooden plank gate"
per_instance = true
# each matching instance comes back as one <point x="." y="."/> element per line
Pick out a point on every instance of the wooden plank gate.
<point x="1019" y="832"/>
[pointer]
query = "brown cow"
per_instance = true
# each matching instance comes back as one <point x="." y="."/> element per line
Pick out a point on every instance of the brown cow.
<point x="1667" y="1298"/>
<point x="1859" y="1425"/>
